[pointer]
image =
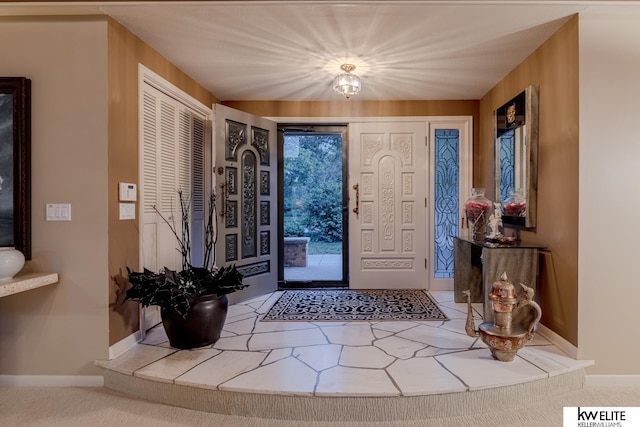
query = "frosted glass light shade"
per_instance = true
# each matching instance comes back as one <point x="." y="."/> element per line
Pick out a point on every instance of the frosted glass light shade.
<point x="346" y="83"/>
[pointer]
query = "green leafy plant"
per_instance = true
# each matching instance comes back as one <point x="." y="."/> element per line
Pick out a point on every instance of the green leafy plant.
<point x="313" y="188"/>
<point x="179" y="289"/>
<point x="324" y="212"/>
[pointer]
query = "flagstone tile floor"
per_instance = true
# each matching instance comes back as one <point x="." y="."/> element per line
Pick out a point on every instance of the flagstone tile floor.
<point x="391" y="358"/>
<point x="319" y="267"/>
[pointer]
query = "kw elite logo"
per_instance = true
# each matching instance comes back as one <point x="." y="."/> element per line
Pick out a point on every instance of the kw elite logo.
<point x="601" y="417"/>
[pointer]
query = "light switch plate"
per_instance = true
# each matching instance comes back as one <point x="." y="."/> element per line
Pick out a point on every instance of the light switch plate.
<point x="58" y="211"/>
<point x="126" y="192"/>
<point x="127" y="211"/>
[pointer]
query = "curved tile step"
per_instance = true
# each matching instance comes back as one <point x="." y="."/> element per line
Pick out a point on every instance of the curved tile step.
<point x="285" y="406"/>
<point x="411" y="370"/>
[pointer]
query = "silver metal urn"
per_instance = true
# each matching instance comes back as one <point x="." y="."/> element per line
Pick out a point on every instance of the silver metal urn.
<point x="506" y="336"/>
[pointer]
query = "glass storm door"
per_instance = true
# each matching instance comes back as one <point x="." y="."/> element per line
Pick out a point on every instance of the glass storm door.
<point x="312" y="180"/>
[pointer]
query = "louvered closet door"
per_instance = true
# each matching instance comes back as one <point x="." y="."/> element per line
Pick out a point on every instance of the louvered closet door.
<point x="172" y="159"/>
<point x="196" y="126"/>
<point x="246" y="174"/>
<point x="150" y="180"/>
<point x="159" y="182"/>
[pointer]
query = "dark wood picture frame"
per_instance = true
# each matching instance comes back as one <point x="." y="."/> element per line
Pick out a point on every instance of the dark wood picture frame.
<point x="15" y="163"/>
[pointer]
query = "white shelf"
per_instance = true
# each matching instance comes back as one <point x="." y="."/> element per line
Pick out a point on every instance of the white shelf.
<point x="25" y="282"/>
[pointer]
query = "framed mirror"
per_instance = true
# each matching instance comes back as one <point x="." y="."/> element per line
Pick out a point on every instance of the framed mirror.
<point x="516" y="159"/>
<point x="15" y="164"/>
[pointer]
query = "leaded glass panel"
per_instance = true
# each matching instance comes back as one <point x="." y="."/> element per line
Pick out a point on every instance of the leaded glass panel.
<point x="507" y="163"/>
<point x="446" y="195"/>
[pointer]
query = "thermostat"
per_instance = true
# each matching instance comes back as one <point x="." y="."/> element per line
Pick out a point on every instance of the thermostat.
<point x="127" y="192"/>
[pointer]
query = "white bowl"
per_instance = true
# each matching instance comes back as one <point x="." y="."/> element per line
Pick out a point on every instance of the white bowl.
<point x="11" y="262"/>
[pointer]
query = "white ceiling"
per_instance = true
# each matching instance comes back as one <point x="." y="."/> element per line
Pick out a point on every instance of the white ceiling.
<point x="277" y="50"/>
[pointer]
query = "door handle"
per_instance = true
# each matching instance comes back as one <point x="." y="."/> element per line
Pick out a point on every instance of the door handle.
<point x="225" y="199"/>
<point x="356" y="210"/>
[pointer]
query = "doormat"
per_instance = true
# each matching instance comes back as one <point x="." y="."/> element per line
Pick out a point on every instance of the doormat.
<point x="349" y="305"/>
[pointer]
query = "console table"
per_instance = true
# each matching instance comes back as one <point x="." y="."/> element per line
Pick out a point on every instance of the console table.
<point x="477" y="265"/>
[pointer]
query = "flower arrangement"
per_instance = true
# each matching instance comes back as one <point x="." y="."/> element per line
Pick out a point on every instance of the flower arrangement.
<point x="178" y="290"/>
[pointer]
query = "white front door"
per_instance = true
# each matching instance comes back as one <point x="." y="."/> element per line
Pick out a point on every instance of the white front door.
<point x="387" y="227"/>
<point x="246" y="186"/>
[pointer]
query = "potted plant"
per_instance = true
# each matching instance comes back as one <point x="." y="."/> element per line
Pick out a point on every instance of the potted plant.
<point x="193" y="301"/>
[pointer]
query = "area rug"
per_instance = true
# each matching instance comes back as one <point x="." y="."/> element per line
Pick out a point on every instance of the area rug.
<point x="349" y="305"/>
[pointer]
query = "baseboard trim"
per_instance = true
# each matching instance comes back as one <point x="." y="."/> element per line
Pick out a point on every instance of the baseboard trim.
<point x="560" y="342"/>
<point x="442" y="287"/>
<point x="124" y="345"/>
<point x="51" y="380"/>
<point x="612" y="381"/>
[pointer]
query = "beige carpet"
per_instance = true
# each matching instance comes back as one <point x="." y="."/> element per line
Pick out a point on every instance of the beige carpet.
<point x="72" y="406"/>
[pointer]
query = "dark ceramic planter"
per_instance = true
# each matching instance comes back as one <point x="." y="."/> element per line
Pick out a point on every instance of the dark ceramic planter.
<point x="201" y="327"/>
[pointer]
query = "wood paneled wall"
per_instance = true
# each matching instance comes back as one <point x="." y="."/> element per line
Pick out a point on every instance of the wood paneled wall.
<point x="125" y="52"/>
<point x="354" y="108"/>
<point x="554" y="67"/>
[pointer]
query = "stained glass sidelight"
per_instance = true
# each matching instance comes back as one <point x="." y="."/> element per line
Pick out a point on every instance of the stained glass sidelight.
<point x="446" y="183"/>
<point x="507" y="163"/>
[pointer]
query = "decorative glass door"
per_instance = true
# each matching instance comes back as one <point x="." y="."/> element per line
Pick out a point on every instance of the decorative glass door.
<point x="245" y="175"/>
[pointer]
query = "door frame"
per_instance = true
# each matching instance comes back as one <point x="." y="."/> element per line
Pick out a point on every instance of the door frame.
<point x="466" y="123"/>
<point x="332" y="127"/>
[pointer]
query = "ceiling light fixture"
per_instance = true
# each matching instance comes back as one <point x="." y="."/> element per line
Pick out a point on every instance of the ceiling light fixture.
<point x="346" y="83"/>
